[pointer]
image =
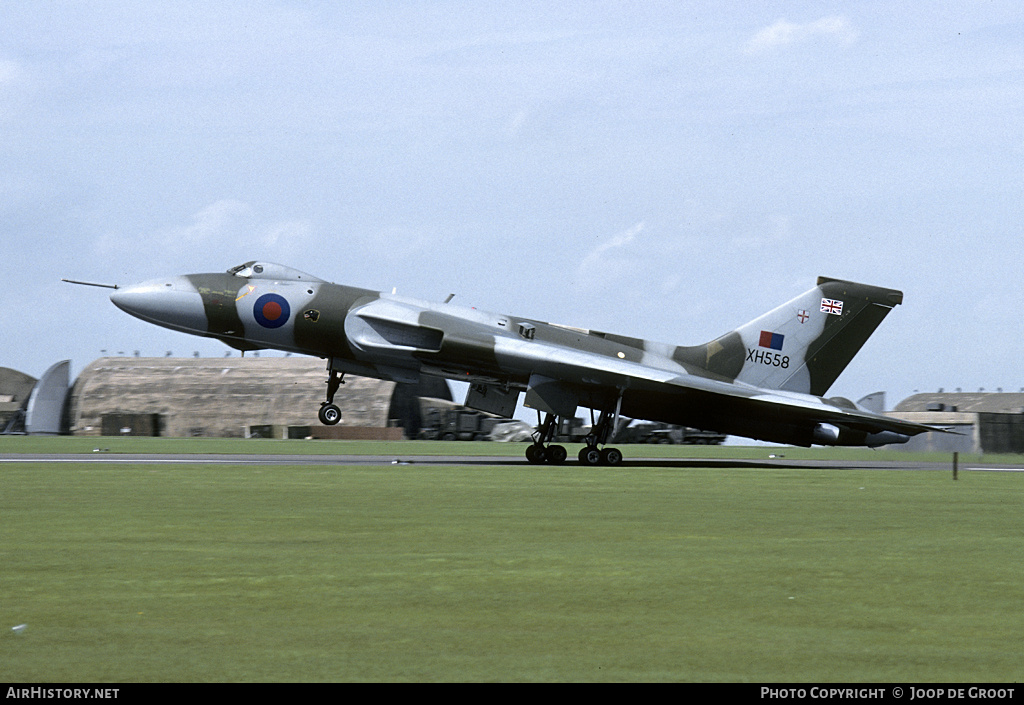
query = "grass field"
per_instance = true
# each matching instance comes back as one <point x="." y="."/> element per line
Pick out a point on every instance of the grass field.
<point x="512" y="573"/>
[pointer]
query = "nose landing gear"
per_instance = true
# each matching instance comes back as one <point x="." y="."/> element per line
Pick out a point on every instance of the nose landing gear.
<point x="329" y="413"/>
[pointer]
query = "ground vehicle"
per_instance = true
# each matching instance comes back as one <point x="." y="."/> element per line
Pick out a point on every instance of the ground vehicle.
<point x="459" y="423"/>
<point x="651" y="432"/>
<point x="574" y="431"/>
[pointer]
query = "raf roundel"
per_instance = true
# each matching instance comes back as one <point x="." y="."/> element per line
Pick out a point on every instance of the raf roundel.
<point x="271" y="310"/>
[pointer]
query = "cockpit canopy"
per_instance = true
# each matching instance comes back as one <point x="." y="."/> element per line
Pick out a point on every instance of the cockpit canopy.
<point x="269" y="270"/>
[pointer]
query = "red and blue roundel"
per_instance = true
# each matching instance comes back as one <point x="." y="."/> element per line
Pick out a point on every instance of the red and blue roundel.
<point x="271" y="310"/>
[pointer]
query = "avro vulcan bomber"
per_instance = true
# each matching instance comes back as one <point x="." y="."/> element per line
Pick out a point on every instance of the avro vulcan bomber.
<point x="764" y="380"/>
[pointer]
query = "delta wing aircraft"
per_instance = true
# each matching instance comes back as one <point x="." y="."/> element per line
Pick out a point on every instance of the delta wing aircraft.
<point x="765" y="380"/>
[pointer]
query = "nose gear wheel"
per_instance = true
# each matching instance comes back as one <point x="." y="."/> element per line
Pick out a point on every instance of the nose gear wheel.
<point x="329" y="413"/>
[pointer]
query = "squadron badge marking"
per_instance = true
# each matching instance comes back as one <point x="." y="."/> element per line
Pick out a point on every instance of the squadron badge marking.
<point x="772" y="341"/>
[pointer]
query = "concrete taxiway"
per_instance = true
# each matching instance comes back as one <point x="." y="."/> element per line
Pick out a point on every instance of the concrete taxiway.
<point x="479" y="460"/>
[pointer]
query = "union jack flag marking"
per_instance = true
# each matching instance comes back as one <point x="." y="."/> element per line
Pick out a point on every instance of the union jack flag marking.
<point x="833" y="306"/>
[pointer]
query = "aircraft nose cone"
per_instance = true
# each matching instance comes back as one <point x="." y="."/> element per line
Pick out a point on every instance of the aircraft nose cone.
<point x="172" y="303"/>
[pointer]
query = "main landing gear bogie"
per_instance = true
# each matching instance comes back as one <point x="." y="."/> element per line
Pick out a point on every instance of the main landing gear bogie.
<point x="588" y="455"/>
<point x="555" y="454"/>
<point x="538" y="453"/>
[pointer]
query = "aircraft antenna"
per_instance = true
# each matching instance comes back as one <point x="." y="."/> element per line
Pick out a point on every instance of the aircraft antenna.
<point x="104" y="286"/>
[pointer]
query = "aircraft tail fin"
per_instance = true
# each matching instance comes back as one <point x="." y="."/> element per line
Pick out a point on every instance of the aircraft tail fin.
<point x="803" y="345"/>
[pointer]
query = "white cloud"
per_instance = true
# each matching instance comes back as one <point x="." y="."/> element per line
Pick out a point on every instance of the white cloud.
<point x="591" y="264"/>
<point x="210" y="226"/>
<point x="217" y="235"/>
<point x="765" y="236"/>
<point x="17" y="87"/>
<point x="515" y="124"/>
<point x="11" y="73"/>
<point x="285" y="235"/>
<point x="783" y="34"/>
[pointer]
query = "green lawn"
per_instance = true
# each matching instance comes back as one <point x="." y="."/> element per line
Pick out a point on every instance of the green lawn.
<point x="302" y="573"/>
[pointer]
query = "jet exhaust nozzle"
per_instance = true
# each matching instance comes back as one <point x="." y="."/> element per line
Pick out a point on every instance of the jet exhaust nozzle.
<point x="827" y="434"/>
<point x="883" y="438"/>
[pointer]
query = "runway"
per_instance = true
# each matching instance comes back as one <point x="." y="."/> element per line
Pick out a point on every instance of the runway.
<point x="778" y="461"/>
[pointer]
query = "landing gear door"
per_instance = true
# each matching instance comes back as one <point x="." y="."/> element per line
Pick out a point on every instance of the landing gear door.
<point x="551" y="396"/>
<point x="492" y="399"/>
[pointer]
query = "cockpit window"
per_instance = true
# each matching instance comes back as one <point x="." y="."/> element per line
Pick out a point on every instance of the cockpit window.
<point x="268" y="270"/>
<point x="242" y="270"/>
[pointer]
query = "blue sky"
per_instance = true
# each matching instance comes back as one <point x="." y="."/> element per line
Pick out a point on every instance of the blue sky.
<point x="667" y="170"/>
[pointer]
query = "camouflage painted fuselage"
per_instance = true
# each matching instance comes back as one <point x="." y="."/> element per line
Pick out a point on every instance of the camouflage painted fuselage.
<point x="763" y="380"/>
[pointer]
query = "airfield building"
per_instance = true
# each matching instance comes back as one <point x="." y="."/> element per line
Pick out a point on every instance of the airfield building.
<point x="238" y="397"/>
<point x="34" y="406"/>
<point x="15" y="388"/>
<point x="985" y="422"/>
